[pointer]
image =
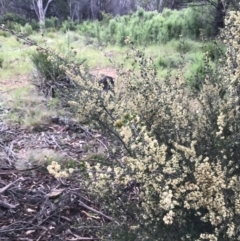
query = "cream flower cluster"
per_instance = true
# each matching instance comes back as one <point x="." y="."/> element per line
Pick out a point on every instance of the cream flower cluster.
<point x="55" y="169"/>
<point x="221" y="123"/>
<point x="168" y="218"/>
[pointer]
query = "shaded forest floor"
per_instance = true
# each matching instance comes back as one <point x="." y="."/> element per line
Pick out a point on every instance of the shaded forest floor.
<point x="33" y="204"/>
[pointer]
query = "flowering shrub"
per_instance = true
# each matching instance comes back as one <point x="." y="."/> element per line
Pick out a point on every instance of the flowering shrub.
<point x="177" y="178"/>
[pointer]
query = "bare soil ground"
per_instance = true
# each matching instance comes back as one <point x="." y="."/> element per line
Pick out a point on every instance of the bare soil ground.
<point x="104" y="71"/>
<point x="11" y="83"/>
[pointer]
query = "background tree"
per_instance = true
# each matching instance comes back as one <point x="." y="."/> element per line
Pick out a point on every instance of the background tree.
<point x="5" y="5"/>
<point x="157" y="5"/>
<point x="74" y="9"/>
<point x="221" y="7"/>
<point x="41" y="10"/>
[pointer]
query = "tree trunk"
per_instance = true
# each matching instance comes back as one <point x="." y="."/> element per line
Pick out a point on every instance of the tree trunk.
<point x="160" y="5"/>
<point x="4" y="6"/>
<point x="41" y="11"/>
<point x="74" y="9"/>
<point x="219" y="16"/>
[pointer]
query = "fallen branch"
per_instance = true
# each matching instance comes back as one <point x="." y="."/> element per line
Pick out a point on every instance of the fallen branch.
<point x="80" y="238"/>
<point x="7" y="205"/>
<point x="10" y="184"/>
<point x="96" y="211"/>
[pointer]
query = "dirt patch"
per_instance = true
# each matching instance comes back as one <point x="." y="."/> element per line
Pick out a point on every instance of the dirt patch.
<point x="14" y="82"/>
<point x="33" y="204"/>
<point x="104" y="71"/>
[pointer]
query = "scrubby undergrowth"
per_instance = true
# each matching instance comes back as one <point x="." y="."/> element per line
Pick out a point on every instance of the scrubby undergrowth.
<point x="172" y="171"/>
<point x="178" y="176"/>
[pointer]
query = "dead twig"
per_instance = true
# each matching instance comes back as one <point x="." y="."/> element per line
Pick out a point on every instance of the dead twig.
<point x="7" y="205"/>
<point x="19" y="171"/>
<point x="98" y="212"/>
<point x="78" y="238"/>
<point x="10" y="184"/>
<point x="92" y="135"/>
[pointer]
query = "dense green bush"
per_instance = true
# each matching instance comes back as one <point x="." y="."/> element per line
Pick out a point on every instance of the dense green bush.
<point x="4" y="34"/>
<point x="149" y="27"/>
<point x="162" y="62"/>
<point x="49" y="68"/>
<point x="197" y="72"/>
<point x="27" y="29"/>
<point x="68" y="25"/>
<point x="184" y="46"/>
<point x="16" y="27"/>
<point x="35" y="24"/>
<point x="204" y="64"/>
<point x="167" y="62"/>
<point x="106" y="17"/>
<point x="52" y="23"/>
<point x="51" y="79"/>
<point x="214" y="50"/>
<point x="10" y="18"/>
